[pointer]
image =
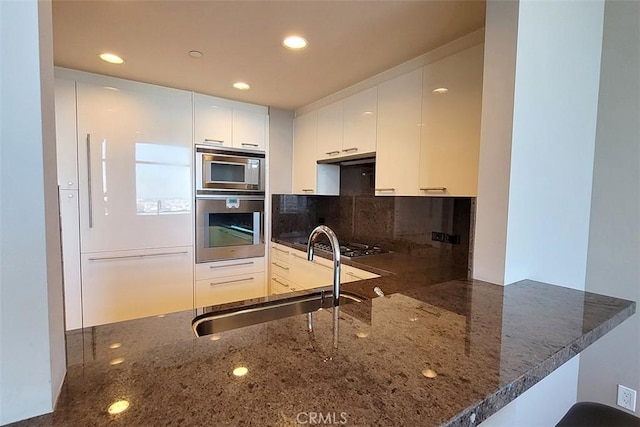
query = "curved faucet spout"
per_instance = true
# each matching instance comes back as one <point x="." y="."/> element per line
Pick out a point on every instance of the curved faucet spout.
<point x="335" y="248"/>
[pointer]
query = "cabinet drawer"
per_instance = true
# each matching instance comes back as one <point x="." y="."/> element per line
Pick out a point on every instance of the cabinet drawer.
<point x="280" y="269"/>
<point x="128" y="285"/>
<point x="311" y="274"/>
<point x="232" y="267"/>
<point x="281" y="253"/>
<point x="280" y="285"/>
<point x="352" y="274"/>
<point x="221" y="290"/>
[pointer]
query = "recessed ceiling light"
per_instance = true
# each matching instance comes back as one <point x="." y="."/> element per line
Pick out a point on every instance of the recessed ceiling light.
<point x="294" y="42"/>
<point x="111" y="58"/>
<point x="116" y="345"/>
<point x="367" y="113"/>
<point x="116" y="361"/>
<point x="241" y="86"/>
<point x="118" y="407"/>
<point x="240" y="371"/>
<point x="429" y="373"/>
<point x="440" y="90"/>
<point x="195" y="54"/>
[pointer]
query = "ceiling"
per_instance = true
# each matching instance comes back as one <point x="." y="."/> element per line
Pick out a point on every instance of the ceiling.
<point x="349" y="41"/>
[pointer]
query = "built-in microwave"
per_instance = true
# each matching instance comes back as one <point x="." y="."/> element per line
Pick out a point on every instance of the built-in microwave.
<point x="224" y="171"/>
<point x="229" y="228"/>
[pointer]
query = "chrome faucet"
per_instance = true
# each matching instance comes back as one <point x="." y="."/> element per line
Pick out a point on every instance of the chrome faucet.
<point x="335" y="248"/>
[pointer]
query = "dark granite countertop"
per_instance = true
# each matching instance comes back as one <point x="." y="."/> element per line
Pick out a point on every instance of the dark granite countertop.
<point x="442" y="354"/>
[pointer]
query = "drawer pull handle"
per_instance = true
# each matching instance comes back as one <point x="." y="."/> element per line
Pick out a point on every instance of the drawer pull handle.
<point x="137" y="256"/>
<point x="348" y="150"/>
<point x="385" y="189"/>
<point x="281" y="266"/>
<point x="249" y="144"/>
<point x="433" y="188"/>
<point x="281" y="250"/>
<point x="307" y="190"/>
<point x="248" y="279"/>
<point x="214" y="141"/>
<point x="330" y="153"/>
<point x="231" y="265"/>
<point x="278" y="281"/>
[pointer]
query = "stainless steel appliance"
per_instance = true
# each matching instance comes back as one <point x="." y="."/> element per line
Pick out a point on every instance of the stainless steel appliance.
<point x="229" y="227"/>
<point x="221" y="171"/>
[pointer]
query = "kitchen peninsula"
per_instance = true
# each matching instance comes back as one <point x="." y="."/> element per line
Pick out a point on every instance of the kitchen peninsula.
<point x="449" y="354"/>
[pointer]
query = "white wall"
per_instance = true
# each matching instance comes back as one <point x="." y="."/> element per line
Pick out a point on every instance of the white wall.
<point x="554" y="122"/>
<point x="536" y="161"/>
<point x="613" y="266"/>
<point x="32" y="355"/>
<point x="490" y="242"/>
<point x="534" y="408"/>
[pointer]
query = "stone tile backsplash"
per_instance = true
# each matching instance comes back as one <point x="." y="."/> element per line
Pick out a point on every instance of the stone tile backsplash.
<point x="398" y="224"/>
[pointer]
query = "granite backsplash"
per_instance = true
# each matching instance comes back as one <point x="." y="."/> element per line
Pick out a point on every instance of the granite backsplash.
<point x="399" y="224"/>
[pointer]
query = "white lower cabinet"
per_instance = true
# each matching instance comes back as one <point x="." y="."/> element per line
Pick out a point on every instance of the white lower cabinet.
<point x="352" y="274"/>
<point x="221" y="282"/>
<point x="127" y="285"/>
<point x="290" y="271"/>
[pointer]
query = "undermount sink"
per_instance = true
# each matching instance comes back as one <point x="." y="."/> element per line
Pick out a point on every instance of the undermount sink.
<point x="253" y="314"/>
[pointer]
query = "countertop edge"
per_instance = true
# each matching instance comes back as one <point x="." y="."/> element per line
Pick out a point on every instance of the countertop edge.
<point x="483" y="409"/>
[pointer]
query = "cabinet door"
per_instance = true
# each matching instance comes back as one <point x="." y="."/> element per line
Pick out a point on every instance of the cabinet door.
<point x="249" y="129"/>
<point x="66" y="144"/>
<point x="212" y="120"/>
<point x="127" y="285"/>
<point x="450" y="143"/>
<point x="305" y="135"/>
<point x="135" y="156"/>
<point x="398" y="147"/>
<point x="310" y="274"/>
<point x="360" y="118"/>
<point x="223" y="290"/>
<point x="330" y="131"/>
<point x="70" y="236"/>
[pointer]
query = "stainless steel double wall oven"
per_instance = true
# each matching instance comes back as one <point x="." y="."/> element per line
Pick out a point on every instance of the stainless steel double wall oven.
<point x="230" y="197"/>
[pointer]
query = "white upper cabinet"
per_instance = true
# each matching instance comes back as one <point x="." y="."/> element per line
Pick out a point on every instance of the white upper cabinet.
<point x="249" y="129"/>
<point x="66" y="145"/>
<point x="229" y="123"/>
<point x="135" y="155"/>
<point x="348" y="127"/>
<point x="330" y="125"/>
<point x="398" y="145"/>
<point x="305" y="134"/>
<point x="213" y="120"/>
<point x="360" y="118"/>
<point x="451" y="124"/>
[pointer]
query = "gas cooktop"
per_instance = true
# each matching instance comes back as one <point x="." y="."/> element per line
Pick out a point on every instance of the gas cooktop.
<point x="350" y="250"/>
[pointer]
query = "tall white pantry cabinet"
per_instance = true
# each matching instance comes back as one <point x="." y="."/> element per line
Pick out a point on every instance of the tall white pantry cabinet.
<point x="131" y="153"/>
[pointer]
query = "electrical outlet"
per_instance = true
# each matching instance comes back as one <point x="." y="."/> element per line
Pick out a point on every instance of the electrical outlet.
<point x="437" y="236"/>
<point x="626" y="398"/>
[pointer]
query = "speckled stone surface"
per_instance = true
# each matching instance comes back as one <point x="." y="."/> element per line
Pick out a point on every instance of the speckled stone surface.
<point x="483" y="345"/>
